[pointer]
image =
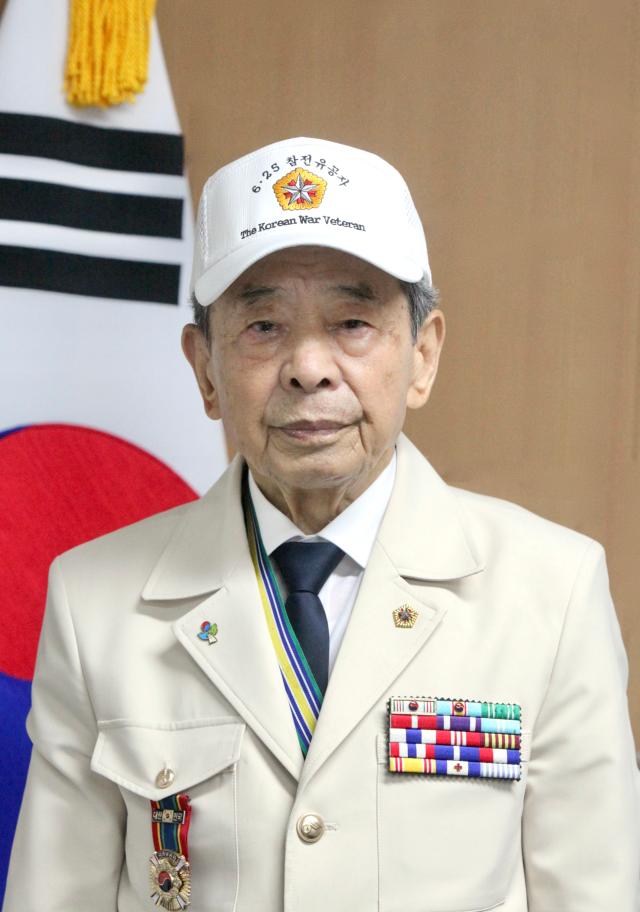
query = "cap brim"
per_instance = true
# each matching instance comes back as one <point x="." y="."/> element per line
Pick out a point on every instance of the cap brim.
<point x="219" y="276"/>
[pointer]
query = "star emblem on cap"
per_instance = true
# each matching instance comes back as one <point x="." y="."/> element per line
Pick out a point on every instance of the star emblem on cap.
<point x="300" y="189"/>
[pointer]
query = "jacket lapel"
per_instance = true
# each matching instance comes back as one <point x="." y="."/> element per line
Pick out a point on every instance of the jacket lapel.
<point x="209" y="556"/>
<point x="424" y="540"/>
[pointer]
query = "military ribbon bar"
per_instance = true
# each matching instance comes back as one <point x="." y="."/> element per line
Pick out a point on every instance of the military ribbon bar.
<point x="454" y="737"/>
<point x="466" y="738"/>
<point x="456" y="708"/>
<point x="455" y="768"/>
<point x="455" y="723"/>
<point x="448" y="752"/>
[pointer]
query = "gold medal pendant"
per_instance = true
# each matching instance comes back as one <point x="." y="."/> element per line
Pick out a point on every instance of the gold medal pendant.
<point x="170" y="880"/>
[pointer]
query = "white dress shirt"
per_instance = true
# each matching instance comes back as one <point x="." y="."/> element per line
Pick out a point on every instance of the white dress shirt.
<point x="354" y="531"/>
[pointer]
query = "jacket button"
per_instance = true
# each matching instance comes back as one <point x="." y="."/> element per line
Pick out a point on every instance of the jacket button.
<point x="165" y="777"/>
<point x="310" y="827"/>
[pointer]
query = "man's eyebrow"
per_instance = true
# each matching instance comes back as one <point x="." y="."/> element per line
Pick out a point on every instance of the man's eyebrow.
<point x="251" y="294"/>
<point x="255" y="293"/>
<point x="362" y="291"/>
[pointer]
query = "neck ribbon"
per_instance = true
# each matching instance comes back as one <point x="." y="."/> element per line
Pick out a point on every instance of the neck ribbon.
<point x="303" y="693"/>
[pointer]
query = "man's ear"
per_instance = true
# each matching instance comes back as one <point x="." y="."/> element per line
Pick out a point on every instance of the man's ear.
<point x="197" y="353"/>
<point x="426" y="354"/>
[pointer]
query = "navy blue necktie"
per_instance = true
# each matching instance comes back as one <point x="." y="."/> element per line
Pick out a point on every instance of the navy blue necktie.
<point x="305" y="567"/>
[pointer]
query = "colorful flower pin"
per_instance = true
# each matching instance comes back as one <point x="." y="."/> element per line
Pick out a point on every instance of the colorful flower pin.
<point x="208" y="632"/>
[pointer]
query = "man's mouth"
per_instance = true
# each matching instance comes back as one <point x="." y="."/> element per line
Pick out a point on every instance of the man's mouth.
<point x="314" y="429"/>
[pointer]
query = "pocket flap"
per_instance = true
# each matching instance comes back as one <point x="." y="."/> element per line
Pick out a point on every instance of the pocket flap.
<point x="132" y="754"/>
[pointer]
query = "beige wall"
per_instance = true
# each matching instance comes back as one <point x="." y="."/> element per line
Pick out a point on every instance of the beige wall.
<point x="517" y="126"/>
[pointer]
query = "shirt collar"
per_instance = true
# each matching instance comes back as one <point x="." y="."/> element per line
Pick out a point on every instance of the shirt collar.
<point x="354" y="530"/>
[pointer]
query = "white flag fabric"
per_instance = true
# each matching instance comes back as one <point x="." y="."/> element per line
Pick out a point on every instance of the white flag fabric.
<point x="95" y="252"/>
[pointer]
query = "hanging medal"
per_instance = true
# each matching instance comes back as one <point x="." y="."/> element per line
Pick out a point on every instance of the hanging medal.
<point x="170" y="872"/>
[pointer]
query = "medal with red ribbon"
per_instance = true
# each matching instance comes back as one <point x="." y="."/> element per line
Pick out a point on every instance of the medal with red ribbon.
<point x="170" y="872"/>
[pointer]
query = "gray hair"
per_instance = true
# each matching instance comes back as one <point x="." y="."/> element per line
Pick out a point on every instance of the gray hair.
<point x="421" y="296"/>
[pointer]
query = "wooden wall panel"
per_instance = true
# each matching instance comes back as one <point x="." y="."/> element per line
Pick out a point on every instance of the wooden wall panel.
<point x="517" y="127"/>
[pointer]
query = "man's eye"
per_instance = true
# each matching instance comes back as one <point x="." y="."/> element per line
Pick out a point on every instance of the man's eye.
<point x="353" y="324"/>
<point x="263" y="327"/>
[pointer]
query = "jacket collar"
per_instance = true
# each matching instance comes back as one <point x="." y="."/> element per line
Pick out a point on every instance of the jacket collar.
<point x="424" y="532"/>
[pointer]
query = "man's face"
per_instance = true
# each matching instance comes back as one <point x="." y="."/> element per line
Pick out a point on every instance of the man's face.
<point x="311" y="367"/>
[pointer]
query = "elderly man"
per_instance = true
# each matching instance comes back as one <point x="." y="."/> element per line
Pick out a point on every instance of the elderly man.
<point x="334" y="682"/>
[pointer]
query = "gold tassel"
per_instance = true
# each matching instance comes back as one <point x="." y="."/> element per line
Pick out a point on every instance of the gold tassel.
<point x="108" y="53"/>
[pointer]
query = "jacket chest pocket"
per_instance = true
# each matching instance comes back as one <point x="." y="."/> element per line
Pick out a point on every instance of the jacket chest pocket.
<point x="150" y="762"/>
<point x="446" y="844"/>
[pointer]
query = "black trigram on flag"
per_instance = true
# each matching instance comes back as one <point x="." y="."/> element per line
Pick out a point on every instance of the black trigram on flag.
<point x="31" y="200"/>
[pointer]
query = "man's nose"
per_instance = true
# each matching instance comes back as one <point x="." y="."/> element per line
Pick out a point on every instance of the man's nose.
<point x="310" y="365"/>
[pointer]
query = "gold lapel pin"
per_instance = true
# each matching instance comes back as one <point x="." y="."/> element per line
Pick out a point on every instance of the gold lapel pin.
<point x="405" y="616"/>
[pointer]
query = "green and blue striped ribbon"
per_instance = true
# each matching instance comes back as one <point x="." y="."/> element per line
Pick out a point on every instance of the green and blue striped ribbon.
<point x="303" y="693"/>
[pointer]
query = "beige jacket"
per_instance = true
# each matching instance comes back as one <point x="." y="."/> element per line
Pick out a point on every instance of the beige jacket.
<point x="512" y="608"/>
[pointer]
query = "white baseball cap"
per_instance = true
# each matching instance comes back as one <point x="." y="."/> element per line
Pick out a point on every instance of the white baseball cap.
<point x="301" y="192"/>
